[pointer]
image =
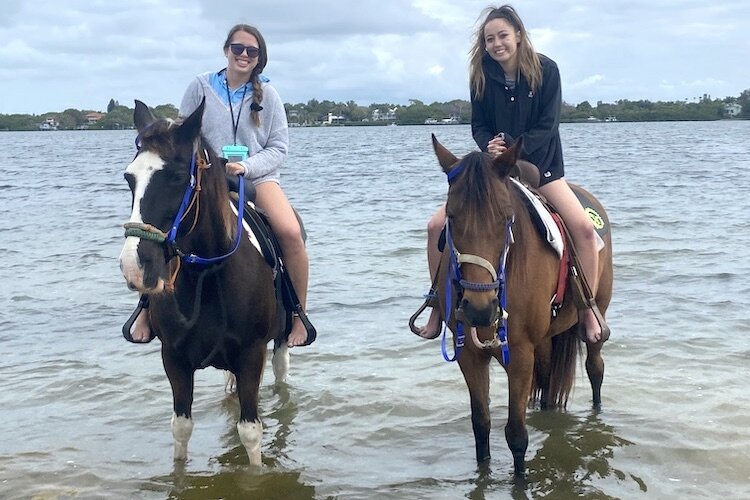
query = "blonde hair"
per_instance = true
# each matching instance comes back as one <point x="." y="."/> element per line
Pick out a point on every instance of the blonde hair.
<point x="528" y="60"/>
<point x="262" y="61"/>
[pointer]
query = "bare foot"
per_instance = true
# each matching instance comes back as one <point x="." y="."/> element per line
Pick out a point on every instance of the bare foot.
<point x="591" y="327"/>
<point x="141" y="329"/>
<point x="432" y="329"/>
<point x="298" y="335"/>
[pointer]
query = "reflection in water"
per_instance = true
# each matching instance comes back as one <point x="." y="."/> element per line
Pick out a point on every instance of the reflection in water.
<point x="234" y="479"/>
<point x="576" y="451"/>
<point x="240" y="484"/>
<point x="284" y="412"/>
<point x="574" y="454"/>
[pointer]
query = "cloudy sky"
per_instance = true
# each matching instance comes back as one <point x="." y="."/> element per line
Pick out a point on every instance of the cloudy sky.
<point x="58" y="54"/>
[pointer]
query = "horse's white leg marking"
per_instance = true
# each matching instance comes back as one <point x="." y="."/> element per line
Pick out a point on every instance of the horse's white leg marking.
<point x="250" y="435"/>
<point x="182" y="429"/>
<point x="142" y="169"/>
<point x="280" y="362"/>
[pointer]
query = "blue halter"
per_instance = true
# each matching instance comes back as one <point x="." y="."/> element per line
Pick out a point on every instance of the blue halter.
<point x="453" y="278"/>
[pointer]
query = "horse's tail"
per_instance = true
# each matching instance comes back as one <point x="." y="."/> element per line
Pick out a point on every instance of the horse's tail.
<point x="565" y="350"/>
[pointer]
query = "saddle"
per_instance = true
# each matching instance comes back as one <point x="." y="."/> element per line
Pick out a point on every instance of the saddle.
<point x="570" y="266"/>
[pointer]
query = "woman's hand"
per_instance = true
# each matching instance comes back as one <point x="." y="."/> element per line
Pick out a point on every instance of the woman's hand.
<point x="235" y="168"/>
<point x="496" y="146"/>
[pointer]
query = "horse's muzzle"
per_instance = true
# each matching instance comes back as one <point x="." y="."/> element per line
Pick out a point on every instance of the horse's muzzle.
<point x="139" y="273"/>
<point x="486" y="315"/>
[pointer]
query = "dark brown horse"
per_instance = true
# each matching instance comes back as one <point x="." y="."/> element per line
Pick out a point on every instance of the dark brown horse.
<point x="212" y="299"/>
<point x="496" y="280"/>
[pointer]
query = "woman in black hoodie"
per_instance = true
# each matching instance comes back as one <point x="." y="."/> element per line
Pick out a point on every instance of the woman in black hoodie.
<point x="515" y="92"/>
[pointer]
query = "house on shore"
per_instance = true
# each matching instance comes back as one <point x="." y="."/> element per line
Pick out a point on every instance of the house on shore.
<point x="49" y="124"/>
<point x="332" y="119"/>
<point x="93" y="117"/>
<point x="732" y="109"/>
<point x="388" y="115"/>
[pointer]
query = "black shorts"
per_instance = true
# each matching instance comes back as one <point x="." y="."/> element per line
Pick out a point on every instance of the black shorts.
<point x="552" y="174"/>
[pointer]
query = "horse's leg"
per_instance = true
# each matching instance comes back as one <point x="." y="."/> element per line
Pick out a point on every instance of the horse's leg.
<point x="181" y="379"/>
<point x="595" y="371"/>
<point x="476" y="370"/>
<point x="249" y="376"/>
<point x="280" y="361"/>
<point x="520" y="372"/>
<point x="542" y="371"/>
<point x="594" y="360"/>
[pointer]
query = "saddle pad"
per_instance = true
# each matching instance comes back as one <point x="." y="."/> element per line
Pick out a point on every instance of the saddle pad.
<point x="553" y="236"/>
<point x="600" y="220"/>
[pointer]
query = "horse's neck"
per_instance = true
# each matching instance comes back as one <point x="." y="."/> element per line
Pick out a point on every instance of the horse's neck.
<point x="214" y="227"/>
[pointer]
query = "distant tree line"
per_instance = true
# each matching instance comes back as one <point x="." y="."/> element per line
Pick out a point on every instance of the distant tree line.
<point x="316" y="112"/>
<point x="701" y="109"/>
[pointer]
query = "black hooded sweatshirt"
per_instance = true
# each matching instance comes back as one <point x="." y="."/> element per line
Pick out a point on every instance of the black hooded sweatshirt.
<point x="521" y="112"/>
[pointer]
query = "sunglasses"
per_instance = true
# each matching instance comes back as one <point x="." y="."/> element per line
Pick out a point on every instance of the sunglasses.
<point x="238" y="48"/>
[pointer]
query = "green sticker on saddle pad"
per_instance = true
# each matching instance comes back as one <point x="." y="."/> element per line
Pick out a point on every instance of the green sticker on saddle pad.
<point x="601" y="223"/>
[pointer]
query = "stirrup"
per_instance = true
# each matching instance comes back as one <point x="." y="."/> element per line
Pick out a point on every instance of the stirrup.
<point x="431" y="300"/>
<point x="591" y="304"/>
<point x="312" y="333"/>
<point x="142" y="304"/>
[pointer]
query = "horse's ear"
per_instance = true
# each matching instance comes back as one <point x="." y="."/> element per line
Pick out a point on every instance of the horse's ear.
<point x="190" y="128"/>
<point x="445" y="157"/>
<point x="142" y="116"/>
<point x="504" y="163"/>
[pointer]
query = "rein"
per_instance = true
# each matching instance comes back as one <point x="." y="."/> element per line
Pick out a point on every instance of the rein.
<point x="453" y="278"/>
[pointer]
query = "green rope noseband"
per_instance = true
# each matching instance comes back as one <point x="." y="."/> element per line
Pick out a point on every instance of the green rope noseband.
<point x="145" y="231"/>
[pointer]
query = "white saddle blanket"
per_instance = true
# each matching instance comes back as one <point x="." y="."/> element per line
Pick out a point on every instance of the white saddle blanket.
<point x="554" y="237"/>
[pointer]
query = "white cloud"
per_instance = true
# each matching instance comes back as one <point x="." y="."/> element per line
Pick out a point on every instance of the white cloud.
<point x="706" y="82"/>
<point x="589" y="81"/>
<point x="81" y="53"/>
<point x="435" y="70"/>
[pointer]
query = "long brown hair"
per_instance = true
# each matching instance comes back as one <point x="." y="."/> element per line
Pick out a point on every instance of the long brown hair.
<point x="258" y="69"/>
<point x="528" y="59"/>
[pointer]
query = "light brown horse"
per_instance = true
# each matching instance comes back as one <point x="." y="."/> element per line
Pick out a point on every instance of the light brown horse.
<point x="497" y="276"/>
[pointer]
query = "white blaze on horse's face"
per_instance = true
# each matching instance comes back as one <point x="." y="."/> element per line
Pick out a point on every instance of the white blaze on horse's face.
<point x="142" y="169"/>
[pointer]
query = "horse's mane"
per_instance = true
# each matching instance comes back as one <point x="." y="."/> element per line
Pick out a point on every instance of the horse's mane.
<point x="217" y="177"/>
<point x="477" y="194"/>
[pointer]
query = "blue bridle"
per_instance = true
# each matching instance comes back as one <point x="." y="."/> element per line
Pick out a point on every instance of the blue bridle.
<point x="453" y="278"/>
<point x="170" y="238"/>
<point x="189" y="191"/>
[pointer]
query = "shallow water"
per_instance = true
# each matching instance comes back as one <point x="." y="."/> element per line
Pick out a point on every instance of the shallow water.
<point x="371" y="411"/>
